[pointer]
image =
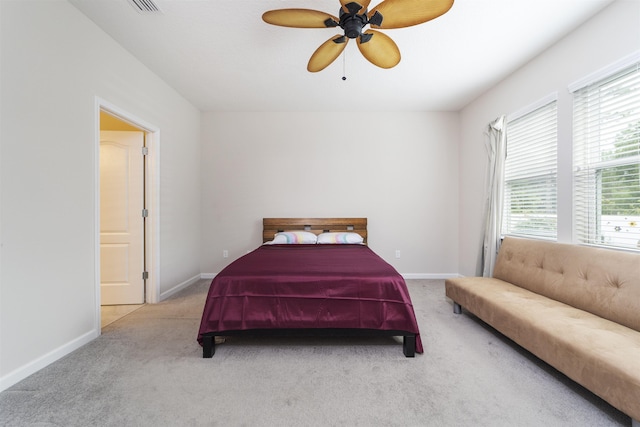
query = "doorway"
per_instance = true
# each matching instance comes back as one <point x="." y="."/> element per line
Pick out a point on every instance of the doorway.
<point x="126" y="225"/>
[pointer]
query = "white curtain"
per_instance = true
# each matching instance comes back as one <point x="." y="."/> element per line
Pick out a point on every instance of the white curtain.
<point x="496" y="144"/>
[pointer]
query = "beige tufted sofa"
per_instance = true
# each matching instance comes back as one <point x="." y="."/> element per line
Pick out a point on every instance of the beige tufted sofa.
<point x="575" y="307"/>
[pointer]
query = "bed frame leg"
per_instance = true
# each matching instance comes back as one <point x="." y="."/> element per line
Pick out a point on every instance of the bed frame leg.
<point x="409" y="345"/>
<point x="208" y="346"/>
<point x="457" y="308"/>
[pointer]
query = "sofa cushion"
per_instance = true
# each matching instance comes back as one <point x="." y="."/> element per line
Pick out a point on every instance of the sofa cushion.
<point x="597" y="353"/>
<point x="601" y="281"/>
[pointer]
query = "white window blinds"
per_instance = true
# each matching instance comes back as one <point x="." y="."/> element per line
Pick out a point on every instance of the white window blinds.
<point x="606" y="134"/>
<point x="530" y="195"/>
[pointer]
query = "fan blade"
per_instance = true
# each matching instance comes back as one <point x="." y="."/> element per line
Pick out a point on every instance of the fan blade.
<point x="405" y="13"/>
<point x="300" y="18"/>
<point x="380" y="50"/>
<point x="363" y="3"/>
<point x="327" y="53"/>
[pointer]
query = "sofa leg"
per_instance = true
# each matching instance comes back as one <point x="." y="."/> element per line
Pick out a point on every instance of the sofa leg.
<point x="457" y="309"/>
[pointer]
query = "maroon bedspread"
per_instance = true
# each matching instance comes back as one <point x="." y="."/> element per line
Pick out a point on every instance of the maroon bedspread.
<point x="309" y="286"/>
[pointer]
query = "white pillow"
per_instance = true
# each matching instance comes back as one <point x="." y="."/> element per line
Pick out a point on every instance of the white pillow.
<point x="294" y="238"/>
<point x="340" y="238"/>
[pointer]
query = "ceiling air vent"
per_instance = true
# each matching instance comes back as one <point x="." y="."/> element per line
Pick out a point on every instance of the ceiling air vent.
<point x="145" y="6"/>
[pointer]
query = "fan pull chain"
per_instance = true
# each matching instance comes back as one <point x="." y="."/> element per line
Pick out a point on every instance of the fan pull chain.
<point x="344" y="65"/>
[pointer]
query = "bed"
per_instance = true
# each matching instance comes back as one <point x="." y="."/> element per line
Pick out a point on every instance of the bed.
<point x="305" y="288"/>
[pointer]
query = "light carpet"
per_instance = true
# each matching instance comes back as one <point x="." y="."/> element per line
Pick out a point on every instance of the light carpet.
<point x="146" y="369"/>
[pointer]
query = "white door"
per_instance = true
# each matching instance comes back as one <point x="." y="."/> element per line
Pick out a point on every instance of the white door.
<point x="121" y="221"/>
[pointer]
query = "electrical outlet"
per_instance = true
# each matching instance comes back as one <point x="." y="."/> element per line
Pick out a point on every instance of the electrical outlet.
<point x="397" y="253"/>
<point x="225" y="253"/>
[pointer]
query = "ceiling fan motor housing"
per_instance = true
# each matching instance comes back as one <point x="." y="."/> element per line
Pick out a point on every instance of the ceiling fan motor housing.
<point x="351" y="22"/>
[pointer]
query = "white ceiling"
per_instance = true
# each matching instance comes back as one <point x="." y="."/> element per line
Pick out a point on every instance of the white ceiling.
<point x="221" y="56"/>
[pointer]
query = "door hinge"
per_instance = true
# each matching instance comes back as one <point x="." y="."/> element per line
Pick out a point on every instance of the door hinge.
<point x="145" y="275"/>
<point x="145" y="213"/>
<point x="145" y="151"/>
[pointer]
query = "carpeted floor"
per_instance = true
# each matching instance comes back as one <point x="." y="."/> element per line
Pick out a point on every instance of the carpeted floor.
<point x="146" y="370"/>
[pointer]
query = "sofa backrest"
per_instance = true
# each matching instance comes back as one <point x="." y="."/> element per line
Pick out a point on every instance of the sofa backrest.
<point x="604" y="282"/>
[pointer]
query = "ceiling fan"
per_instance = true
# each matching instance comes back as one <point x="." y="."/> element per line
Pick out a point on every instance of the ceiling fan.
<point x="376" y="47"/>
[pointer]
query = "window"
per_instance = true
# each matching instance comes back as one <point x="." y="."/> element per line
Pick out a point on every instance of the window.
<point x="606" y="128"/>
<point x="530" y="201"/>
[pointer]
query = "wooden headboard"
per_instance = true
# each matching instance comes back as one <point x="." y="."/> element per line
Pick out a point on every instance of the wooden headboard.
<point x="271" y="226"/>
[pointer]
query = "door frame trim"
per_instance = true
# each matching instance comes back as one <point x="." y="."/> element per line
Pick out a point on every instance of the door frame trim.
<point x="152" y="202"/>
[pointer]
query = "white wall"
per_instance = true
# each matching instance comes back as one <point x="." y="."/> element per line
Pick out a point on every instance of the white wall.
<point x="55" y="62"/>
<point x="609" y="36"/>
<point x="397" y="169"/>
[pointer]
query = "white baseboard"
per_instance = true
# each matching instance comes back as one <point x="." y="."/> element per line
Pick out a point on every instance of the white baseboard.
<point x="208" y="275"/>
<point x="180" y="286"/>
<point x="30" y="368"/>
